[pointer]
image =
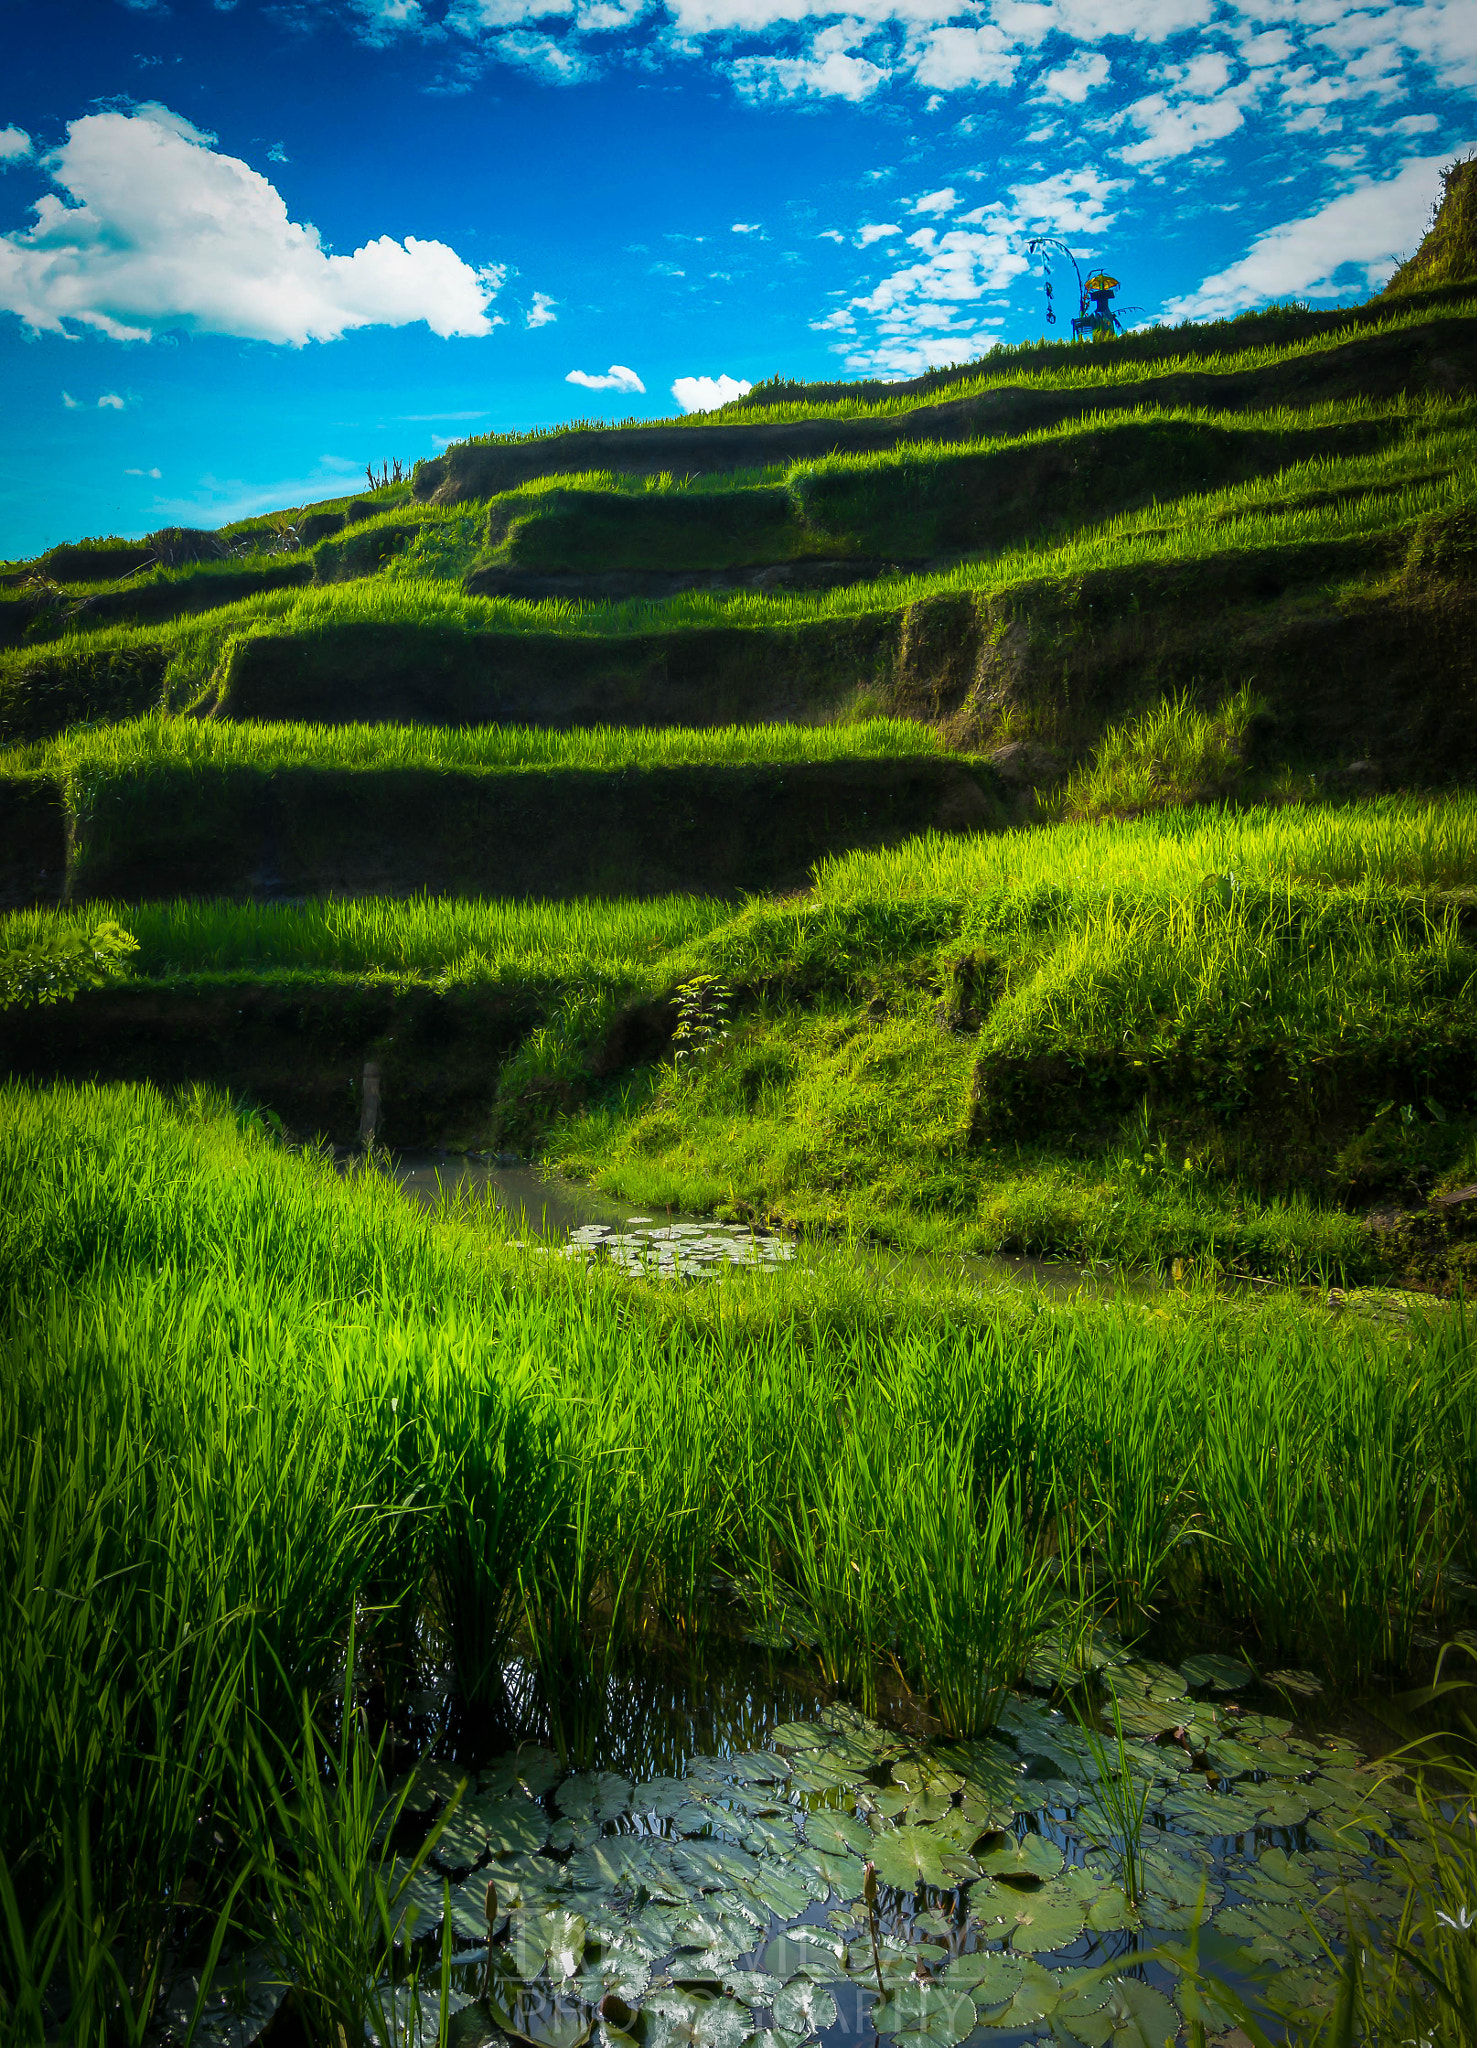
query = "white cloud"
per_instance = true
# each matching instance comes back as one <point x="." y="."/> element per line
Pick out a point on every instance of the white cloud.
<point x="541" y="313"/>
<point x="936" y="202"/>
<point x="875" y="231"/>
<point x="832" y="235"/>
<point x="616" y="378"/>
<point x="1172" y="127"/>
<point x="949" y="58"/>
<point x="15" y="145"/>
<point x="72" y="404"/>
<point x="747" y="227"/>
<point x="164" y="231"/>
<point x="277" y="154"/>
<point x="110" y="401"/>
<point x="1074" y="80"/>
<point x="156" y="473"/>
<point x="1366" y="230"/>
<point x="702" y="394"/>
<point x="557" y="63"/>
<point x="1069" y="202"/>
<point x="830" y="71"/>
<point x="1415" y="124"/>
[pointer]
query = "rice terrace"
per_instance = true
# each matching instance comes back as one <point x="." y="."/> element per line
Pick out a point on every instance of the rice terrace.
<point x="738" y="1214"/>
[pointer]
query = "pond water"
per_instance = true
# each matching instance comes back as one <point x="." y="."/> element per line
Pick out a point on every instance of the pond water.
<point x="701" y="1883"/>
<point x="589" y="1224"/>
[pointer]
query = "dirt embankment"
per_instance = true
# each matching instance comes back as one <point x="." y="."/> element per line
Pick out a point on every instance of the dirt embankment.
<point x="424" y="676"/>
<point x="1439" y="356"/>
<point x="253" y="833"/>
<point x="299" y="1049"/>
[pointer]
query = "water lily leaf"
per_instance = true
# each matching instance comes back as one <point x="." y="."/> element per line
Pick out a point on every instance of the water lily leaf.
<point x="419" y="1906"/>
<point x="532" y="2014"/>
<point x="618" y="1973"/>
<point x="838" y="1834"/>
<point x="1029" y="1855"/>
<point x="1283" y="1924"/>
<point x="1041" y="1920"/>
<point x="1287" y="1810"/>
<point x="774" y="2037"/>
<point x="907" y="1857"/>
<point x="242" y="1999"/>
<point x="1142" y="2017"/>
<point x="469" y="1908"/>
<point x="752" y="1987"/>
<point x="787" y="1893"/>
<point x="843" y="1875"/>
<point x="805" y="1952"/>
<point x="506" y="1825"/>
<point x="1304" y="1683"/>
<point x="1221" y="1674"/>
<point x="610" y="1863"/>
<point x="568" y="1834"/>
<point x="1159" y="1681"/>
<point x="897" y="1965"/>
<point x="651" y="1933"/>
<point x="714" y="1866"/>
<point x="770" y="1837"/>
<point x="537" y="1771"/>
<point x="798" y="1735"/>
<point x="804" y="2007"/>
<point x="703" y="1969"/>
<point x="594" y="1795"/>
<point x="429" y="1785"/>
<point x="921" y="1807"/>
<point x="756" y="1767"/>
<point x="988" y="1975"/>
<point x="821" y="1771"/>
<point x="920" y="1773"/>
<point x="933" y="2013"/>
<point x="990" y="1773"/>
<point x="550" y="1943"/>
<point x="685" y="2019"/>
<point x="1034" y="1999"/>
<point x="527" y="1881"/>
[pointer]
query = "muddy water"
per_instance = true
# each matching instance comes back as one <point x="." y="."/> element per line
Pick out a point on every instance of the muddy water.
<point x="584" y="1222"/>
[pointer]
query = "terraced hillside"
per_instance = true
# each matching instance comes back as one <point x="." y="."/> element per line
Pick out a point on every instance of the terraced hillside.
<point x="812" y="731"/>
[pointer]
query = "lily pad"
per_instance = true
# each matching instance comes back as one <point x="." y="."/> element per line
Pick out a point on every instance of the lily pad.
<point x="531" y="2014"/>
<point x="907" y="1857"/>
<point x="1042" y="1920"/>
<point x="537" y="1771"/>
<point x="1221" y="1674"/>
<point x="1029" y="1856"/>
<point x="988" y="1975"/>
<point x="805" y="1952"/>
<point x="549" y="1944"/>
<point x="838" y="1834"/>
<point x="242" y="1999"/>
<point x="751" y="1987"/>
<point x="798" y="1735"/>
<point x="685" y="2019"/>
<point x="594" y="1795"/>
<point x="804" y="2007"/>
<point x="842" y="1875"/>
<point x="1142" y="2017"/>
<point x="933" y="2013"/>
<point x="1034" y="1999"/>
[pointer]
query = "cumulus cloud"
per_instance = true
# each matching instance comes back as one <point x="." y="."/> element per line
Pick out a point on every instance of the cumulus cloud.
<point x="704" y="394"/>
<point x="111" y="402"/>
<point x="1355" y="239"/>
<point x="831" y="70"/>
<point x="541" y="313"/>
<point x="616" y="378"/>
<point x="1074" y="80"/>
<point x="929" y="310"/>
<point x="936" y="202"/>
<point x="160" y="229"/>
<point x="15" y="145"/>
<point x="875" y="231"/>
<point x="155" y="473"/>
<point x="747" y="227"/>
<point x="950" y="58"/>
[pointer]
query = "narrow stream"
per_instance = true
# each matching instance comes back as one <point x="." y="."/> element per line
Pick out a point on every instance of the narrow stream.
<point x="583" y="1221"/>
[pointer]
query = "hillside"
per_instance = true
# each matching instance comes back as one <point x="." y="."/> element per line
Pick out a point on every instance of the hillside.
<point x="1042" y="786"/>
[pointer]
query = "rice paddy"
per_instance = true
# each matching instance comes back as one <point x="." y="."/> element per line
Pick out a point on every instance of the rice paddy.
<point x="250" y="1406"/>
<point x="765" y="1626"/>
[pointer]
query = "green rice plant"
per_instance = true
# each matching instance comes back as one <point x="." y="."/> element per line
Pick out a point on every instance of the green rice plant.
<point x="971" y="1591"/>
<point x="1174" y="753"/>
<point x="490" y="1476"/>
<point x="830" y="1532"/>
<point x="341" y="1905"/>
<point x="1120" y="1797"/>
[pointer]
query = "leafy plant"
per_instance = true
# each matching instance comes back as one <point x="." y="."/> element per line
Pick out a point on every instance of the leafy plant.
<point x="53" y="963"/>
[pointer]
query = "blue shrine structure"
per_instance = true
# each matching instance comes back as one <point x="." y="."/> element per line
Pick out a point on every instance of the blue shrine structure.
<point x="1098" y="320"/>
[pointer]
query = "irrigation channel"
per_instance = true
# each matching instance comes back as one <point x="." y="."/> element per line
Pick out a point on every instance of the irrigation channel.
<point x="702" y="1884"/>
<point x="581" y="1222"/>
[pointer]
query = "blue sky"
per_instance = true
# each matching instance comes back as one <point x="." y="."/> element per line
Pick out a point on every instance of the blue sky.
<point x="247" y="246"/>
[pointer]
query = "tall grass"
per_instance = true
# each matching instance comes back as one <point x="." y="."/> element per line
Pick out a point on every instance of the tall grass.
<point x="242" y="1399"/>
<point x="1327" y="500"/>
<point x="144" y="743"/>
